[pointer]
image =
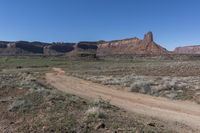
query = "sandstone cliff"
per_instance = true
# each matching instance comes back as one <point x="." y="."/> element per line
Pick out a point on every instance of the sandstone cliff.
<point x="188" y="50"/>
<point x="84" y="49"/>
<point x="34" y="48"/>
<point x="58" y="48"/>
<point x="131" y="46"/>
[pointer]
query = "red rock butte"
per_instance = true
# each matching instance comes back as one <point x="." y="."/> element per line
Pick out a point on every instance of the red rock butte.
<point x="131" y="46"/>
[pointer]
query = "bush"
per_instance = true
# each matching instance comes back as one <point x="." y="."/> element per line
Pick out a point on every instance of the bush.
<point x="101" y="103"/>
<point x="140" y="86"/>
<point x="95" y="112"/>
<point x="19" y="105"/>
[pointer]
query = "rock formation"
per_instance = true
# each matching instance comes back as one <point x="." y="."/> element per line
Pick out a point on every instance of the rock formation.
<point x="21" y="48"/>
<point x="58" y="48"/>
<point x="131" y="46"/>
<point x="34" y="48"/>
<point x="188" y="50"/>
<point x="148" y="37"/>
<point x="85" y="49"/>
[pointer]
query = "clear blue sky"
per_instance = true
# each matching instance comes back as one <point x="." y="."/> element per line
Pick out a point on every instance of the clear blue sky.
<point x="173" y="22"/>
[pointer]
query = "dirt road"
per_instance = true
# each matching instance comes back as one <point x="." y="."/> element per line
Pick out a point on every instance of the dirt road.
<point x="186" y="113"/>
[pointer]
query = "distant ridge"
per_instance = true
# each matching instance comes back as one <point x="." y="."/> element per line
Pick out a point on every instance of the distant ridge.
<point x="193" y="49"/>
<point x="145" y="46"/>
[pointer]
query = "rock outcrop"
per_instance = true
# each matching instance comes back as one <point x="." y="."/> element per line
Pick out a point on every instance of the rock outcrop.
<point x="58" y="48"/>
<point x="21" y="48"/>
<point x="188" y="50"/>
<point x="34" y="48"/>
<point x="131" y="46"/>
<point x="85" y="49"/>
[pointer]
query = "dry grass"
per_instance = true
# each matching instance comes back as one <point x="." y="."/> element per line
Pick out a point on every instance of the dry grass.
<point x="183" y="88"/>
<point x="95" y="112"/>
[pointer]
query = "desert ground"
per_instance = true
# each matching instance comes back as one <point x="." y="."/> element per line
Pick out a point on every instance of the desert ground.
<point x="56" y="94"/>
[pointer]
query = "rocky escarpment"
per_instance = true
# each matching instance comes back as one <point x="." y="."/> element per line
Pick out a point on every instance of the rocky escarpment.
<point x="87" y="46"/>
<point x="85" y="49"/>
<point x="3" y="44"/>
<point x="188" y="50"/>
<point x="21" y="48"/>
<point x="58" y="48"/>
<point x="131" y="46"/>
<point x="40" y="48"/>
<point x="34" y="48"/>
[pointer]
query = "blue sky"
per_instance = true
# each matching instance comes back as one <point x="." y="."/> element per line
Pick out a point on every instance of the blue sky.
<point x="173" y="22"/>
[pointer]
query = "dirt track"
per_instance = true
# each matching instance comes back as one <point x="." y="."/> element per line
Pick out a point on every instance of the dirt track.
<point x="186" y="113"/>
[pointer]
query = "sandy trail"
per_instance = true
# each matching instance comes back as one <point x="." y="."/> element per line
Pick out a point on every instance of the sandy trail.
<point x="187" y="113"/>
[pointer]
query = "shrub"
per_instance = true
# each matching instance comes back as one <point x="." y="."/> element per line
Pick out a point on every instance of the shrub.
<point x="140" y="86"/>
<point x="101" y="103"/>
<point x="19" y="105"/>
<point x="95" y="112"/>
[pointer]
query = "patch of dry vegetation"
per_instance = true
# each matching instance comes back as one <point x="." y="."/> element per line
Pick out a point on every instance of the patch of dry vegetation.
<point x="27" y="105"/>
<point x="171" y="79"/>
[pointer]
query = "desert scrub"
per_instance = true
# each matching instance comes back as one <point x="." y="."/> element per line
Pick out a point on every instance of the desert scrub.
<point x="32" y="62"/>
<point x="21" y="105"/>
<point x="98" y="108"/>
<point x="140" y="86"/>
<point x="95" y="112"/>
<point x="101" y="103"/>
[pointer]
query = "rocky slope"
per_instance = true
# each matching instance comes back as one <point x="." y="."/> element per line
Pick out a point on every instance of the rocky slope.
<point x="188" y="50"/>
<point x="131" y="46"/>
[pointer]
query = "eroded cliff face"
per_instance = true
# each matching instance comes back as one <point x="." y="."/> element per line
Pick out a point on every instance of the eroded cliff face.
<point x="188" y="50"/>
<point x="59" y="48"/>
<point x="100" y="48"/>
<point x="84" y="49"/>
<point x="20" y="48"/>
<point x="131" y="46"/>
<point x="34" y="48"/>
